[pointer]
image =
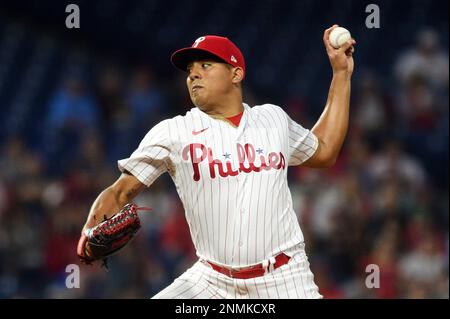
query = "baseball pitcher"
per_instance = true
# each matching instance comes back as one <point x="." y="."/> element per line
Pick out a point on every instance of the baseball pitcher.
<point x="229" y="163"/>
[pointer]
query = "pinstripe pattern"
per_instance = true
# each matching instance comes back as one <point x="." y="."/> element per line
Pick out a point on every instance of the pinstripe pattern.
<point x="291" y="281"/>
<point x="232" y="182"/>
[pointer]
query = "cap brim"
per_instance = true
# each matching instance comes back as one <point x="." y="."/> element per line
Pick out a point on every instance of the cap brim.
<point x="181" y="58"/>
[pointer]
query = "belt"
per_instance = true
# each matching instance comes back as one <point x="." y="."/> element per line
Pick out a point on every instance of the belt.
<point x="252" y="271"/>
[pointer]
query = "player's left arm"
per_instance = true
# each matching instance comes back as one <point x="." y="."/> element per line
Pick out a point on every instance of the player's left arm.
<point x="332" y="125"/>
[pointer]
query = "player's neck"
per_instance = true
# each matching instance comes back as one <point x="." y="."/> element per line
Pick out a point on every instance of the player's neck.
<point x="225" y="112"/>
<point x="226" y="108"/>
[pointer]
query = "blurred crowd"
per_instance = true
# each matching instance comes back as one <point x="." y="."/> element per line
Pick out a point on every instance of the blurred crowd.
<point x="384" y="203"/>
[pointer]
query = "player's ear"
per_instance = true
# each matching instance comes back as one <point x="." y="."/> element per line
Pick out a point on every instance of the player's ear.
<point x="238" y="75"/>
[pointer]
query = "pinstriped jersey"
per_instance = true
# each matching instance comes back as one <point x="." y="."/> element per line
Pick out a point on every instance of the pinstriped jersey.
<point x="231" y="180"/>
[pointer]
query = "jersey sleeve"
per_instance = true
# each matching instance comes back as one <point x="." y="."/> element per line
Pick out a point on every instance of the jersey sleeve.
<point x="302" y="143"/>
<point x="150" y="159"/>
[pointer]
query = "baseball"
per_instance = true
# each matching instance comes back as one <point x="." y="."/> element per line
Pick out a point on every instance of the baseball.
<point x="338" y="36"/>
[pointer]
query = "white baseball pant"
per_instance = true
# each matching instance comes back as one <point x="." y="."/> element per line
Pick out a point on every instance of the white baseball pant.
<point x="294" y="280"/>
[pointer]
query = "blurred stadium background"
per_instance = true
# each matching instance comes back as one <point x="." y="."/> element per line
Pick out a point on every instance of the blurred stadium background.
<point x="73" y="102"/>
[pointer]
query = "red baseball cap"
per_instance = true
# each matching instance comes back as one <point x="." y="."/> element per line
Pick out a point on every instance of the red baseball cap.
<point x="220" y="47"/>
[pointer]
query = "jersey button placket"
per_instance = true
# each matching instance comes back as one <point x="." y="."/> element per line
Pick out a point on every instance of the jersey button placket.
<point x="241" y="183"/>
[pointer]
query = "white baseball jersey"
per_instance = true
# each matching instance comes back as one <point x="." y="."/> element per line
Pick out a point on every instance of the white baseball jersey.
<point x="231" y="180"/>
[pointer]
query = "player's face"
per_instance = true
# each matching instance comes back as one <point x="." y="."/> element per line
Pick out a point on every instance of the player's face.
<point x="208" y="82"/>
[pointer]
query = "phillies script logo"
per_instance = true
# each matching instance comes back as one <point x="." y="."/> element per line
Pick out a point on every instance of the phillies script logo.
<point x="198" y="153"/>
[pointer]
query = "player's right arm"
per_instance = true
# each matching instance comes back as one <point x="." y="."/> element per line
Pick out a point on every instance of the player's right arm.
<point x="332" y="125"/>
<point x="113" y="198"/>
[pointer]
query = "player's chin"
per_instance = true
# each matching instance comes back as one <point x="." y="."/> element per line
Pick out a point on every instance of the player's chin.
<point x="198" y="100"/>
